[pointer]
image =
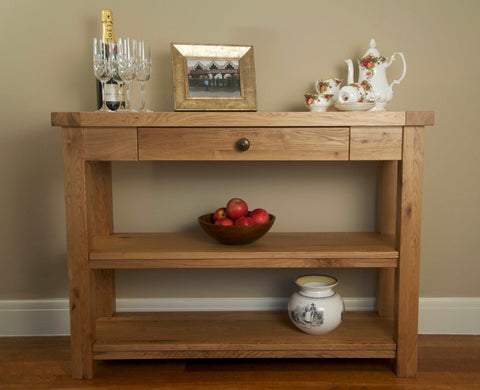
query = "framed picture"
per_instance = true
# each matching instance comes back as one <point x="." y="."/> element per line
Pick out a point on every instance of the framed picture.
<point x="213" y="77"/>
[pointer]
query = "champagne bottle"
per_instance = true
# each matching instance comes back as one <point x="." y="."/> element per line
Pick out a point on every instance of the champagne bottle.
<point x="114" y="95"/>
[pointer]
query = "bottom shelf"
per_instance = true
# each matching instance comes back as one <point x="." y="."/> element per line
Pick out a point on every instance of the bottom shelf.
<point x="262" y="334"/>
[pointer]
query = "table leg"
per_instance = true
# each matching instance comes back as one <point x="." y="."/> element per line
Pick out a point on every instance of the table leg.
<point x="408" y="244"/>
<point x="88" y="210"/>
<point x="386" y="224"/>
<point x="80" y="278"/>
<point x="100" y="223"/>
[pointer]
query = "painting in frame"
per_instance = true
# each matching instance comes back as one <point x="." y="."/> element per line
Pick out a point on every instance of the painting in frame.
<point x="213" y="77"/>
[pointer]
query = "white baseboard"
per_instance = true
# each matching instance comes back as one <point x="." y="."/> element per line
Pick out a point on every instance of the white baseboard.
<point x="449" y="316"/>
<point x="50" y="317"/>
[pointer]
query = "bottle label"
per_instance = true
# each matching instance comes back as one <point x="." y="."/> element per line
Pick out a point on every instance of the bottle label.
<point x="114" y="93"/>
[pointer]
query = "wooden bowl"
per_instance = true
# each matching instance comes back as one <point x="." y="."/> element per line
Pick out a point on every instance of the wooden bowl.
<point x="234" y="235"/>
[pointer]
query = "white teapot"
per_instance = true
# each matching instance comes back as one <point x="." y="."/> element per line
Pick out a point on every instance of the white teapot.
<point x="372" y="68"/>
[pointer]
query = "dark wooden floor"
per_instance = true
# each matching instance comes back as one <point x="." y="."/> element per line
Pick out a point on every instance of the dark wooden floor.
<point x="445" y="362"/>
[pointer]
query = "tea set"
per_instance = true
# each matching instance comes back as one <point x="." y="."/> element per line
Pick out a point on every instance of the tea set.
<point x="371" y="92"/>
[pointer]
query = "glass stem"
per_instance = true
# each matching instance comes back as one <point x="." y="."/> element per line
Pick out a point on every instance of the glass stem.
<point x="142" y="85"/>
<point x="127" y="95"/>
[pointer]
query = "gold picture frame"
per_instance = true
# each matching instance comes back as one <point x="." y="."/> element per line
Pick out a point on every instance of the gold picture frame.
<point x="213" y="77"/>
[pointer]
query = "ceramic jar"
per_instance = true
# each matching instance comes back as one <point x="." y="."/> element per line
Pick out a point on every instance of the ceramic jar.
<point x="316" y="308"/>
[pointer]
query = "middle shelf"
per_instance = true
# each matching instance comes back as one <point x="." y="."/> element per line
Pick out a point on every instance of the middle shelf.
<point x="275" y="250"/>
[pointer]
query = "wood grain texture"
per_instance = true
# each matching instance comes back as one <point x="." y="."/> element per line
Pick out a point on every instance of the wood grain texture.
<point x="386" y="224"/>
<point x="419" y="118"/>
<point x="240" y="119"/>
<point x="376" y="143"/>
<point x="445" y="362"/>
<point x="237" y="334"/>
<point x="94" y="252"/>
<point x="287" y="250"/>
<point x="81" y="287"/>
<point x="110" y="144"/>
<point x="408" y="230"/>
<point x="272" y="144"/>
<point x="98" y="180"/>
<point x="387" y="197"/>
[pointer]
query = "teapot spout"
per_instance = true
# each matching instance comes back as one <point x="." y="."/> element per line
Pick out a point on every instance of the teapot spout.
<point x="350" y="71"/>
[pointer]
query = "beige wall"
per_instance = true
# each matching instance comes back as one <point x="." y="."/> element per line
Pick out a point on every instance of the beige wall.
<point x="46" y="66"/>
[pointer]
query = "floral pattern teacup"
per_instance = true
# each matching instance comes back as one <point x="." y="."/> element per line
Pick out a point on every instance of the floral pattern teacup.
<point x="357" y="93"/>
<point x="318" y="102"/>
<point x="329" y="87"/>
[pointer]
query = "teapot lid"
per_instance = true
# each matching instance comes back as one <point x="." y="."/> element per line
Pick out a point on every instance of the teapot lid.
<point x="372" y="51"/>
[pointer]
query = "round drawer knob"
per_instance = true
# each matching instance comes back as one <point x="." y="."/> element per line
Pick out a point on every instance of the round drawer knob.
<point x="242" y="144"/>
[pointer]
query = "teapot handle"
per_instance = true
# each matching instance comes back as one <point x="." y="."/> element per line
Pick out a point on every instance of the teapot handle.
<point x="404" y="69"/>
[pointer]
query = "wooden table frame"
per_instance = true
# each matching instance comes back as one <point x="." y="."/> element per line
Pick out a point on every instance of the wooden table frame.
<point x="92" y="140"/>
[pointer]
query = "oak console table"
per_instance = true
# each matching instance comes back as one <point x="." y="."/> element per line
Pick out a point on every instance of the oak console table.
<point x="92" y="140"/>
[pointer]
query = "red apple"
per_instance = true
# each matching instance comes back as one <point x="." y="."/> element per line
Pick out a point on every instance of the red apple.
<point x="219" y="213"/>
<point x="224" y="222"/>
<point x="236" y="208"/>
<point x="244" y="221"/>
<point x="260" y="216"/>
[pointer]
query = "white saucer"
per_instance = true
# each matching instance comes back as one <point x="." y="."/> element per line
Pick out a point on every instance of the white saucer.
<point x="353" y="106"/>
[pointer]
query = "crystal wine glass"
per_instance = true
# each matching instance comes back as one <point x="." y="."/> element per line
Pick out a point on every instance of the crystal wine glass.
<point x="126" y="64"/>
<point x="144" y="69"/>
<point x="116" y="77"/>
<point x="102" y="66"/>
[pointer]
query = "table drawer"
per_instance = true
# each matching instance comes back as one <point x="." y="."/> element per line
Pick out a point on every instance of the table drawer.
<point x="264" y="144"/>
<point x="376" y="143"/>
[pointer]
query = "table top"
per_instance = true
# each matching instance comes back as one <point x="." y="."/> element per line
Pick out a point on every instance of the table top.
<point x="242" y="119"/>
